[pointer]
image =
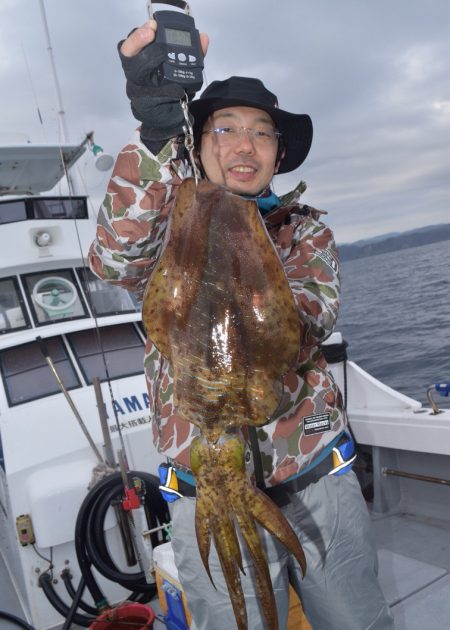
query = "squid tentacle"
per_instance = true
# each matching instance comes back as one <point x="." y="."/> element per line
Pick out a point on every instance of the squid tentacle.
<point x="222" y="528"/>
<point x="231" y="572"/>
<point x="264" y="588"/>
<point x="271" y="518"/>
<point x="225" y="497"/>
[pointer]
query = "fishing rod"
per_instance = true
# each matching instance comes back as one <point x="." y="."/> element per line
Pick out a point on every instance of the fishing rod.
<point x="50" y="363"/>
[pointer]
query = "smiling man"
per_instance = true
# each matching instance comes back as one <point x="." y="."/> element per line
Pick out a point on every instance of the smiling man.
<point x="239" y="149"/>
<point x="242" y="137"/>
<point x="302" y="457"/>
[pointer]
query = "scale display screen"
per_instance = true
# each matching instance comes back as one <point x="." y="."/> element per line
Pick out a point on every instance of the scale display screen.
<point x="178" y="37"/>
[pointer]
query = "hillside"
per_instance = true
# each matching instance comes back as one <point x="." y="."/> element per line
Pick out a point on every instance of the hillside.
<point x="395" y="242"/>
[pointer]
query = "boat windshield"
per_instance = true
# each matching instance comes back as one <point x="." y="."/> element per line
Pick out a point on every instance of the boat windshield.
<point x="120" y="348"/>
<point x="59" y="208"/>
<point x="105" y="298"/>
<point x="36" y="208"/>
<point x="110" y="352"/>
<point x="26" y="375"/>
<point x="43" y="298"/>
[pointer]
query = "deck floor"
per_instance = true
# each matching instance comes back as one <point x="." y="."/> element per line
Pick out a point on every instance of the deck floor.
<point x="414" y="569"/>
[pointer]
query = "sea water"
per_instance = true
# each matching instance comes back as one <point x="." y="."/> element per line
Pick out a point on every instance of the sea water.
<point x="395" y="316"/>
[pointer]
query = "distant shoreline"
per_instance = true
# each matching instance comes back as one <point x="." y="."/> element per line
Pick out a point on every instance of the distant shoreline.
<point x="396" y="242"/>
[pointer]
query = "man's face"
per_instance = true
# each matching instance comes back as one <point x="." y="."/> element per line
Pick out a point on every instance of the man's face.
<point x="244" y="165"/>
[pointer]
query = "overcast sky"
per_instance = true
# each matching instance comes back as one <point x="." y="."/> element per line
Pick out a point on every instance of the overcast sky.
<point x="374" y="75"/>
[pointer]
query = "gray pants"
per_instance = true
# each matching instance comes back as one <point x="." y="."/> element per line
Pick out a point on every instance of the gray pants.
<point x="340" y="590"/>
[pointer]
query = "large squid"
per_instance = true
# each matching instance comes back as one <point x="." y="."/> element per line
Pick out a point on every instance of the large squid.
<point x="218" y="306"/>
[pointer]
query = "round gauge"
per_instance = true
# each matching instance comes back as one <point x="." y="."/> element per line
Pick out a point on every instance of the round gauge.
<point x="55" y="294"/>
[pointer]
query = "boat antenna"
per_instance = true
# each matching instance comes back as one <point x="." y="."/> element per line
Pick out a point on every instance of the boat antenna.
<point x="61" y="112"/>
<point x="33" y="90"/>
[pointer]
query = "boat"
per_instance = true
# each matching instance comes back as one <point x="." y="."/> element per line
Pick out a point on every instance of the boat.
<point x="403" y="466"/>
<point x="71" y="350"/>
<point x="74" y="410"/>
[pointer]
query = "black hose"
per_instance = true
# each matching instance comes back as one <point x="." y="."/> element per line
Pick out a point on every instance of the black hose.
<point x="90" y="540"/>
<point x="75" y="604"/>
<point x="45" y="581"/>
<point x="96" y="547"/>
<point x="67" y="579"/>
<point x="16" y="620"/>
<point x="92" y="550"/>
<point x="80" y="537"/>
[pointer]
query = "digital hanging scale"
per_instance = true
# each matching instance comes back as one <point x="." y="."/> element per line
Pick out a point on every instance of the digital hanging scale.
<point x="176" y="31"/>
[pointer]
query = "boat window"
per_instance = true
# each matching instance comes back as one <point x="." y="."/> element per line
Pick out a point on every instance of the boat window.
<point x="54" y="296"/>
<point x="59" y="208"/>
<point x="13" y="315"/>
<point x="105" y="298"/>
<point x="123" y="351"/>
<point x="11" y="211"/>
<point x="43" y="208"/>
<point x="27" y="376"/>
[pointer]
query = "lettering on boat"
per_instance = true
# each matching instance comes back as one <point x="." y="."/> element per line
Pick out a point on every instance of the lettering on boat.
<point x="130" y="424"/>
<point x="131" y="404"/>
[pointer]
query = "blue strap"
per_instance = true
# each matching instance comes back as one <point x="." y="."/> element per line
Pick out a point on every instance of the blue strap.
<point x="269" y="203"/>
<point x="323" y="455"/>
<point x="266" y="201"/>
<point x="186" y="477"/>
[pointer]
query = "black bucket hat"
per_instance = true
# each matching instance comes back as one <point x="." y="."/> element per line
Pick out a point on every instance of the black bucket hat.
<point x="296" y="129"/>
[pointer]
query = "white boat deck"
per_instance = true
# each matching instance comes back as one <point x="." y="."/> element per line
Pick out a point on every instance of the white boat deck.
<point x="414" y="569"/>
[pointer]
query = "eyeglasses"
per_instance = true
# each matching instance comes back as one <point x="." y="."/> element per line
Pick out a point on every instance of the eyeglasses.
<point x="228" y="136"/>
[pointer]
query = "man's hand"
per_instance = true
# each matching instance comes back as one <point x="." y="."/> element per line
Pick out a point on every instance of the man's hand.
<point x="139" y="38"/>
<point x="145" y="35"/>
<point x="156" y="106"/>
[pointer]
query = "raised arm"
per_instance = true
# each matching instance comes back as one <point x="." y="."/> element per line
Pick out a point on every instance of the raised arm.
<point x="133" y="217"/>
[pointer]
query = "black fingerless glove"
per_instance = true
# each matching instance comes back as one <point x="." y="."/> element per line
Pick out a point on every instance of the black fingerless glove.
<point x="157" y="107"/>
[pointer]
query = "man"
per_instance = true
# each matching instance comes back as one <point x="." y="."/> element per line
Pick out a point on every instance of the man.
<point x="242" y="139"/>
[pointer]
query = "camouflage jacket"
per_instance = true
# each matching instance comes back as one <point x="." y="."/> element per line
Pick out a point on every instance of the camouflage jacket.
<point x="130" y="231"/>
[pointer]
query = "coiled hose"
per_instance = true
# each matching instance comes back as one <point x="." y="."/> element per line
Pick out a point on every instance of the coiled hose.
<point x="92" y="550"/>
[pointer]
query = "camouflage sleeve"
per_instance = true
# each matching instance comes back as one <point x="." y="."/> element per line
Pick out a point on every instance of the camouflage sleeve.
<point x="133" y="217"/>
<point x="313" y="272"/>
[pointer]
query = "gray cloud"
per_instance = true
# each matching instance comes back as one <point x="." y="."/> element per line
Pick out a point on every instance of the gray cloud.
<point x="374" y="76"/>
